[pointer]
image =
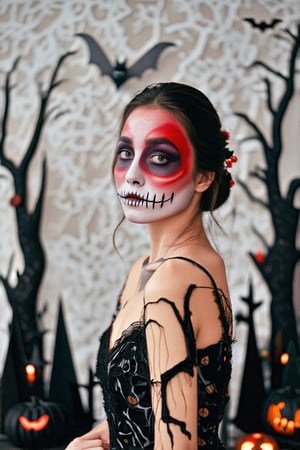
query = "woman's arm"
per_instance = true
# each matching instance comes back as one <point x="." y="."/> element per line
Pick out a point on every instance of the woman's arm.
<point x="172" y="365"/>
<point x="97" y="438"/>
<point x="182" y="314"/>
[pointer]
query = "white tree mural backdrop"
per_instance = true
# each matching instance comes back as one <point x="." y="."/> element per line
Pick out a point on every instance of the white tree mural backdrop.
<point x="61" y="99"/>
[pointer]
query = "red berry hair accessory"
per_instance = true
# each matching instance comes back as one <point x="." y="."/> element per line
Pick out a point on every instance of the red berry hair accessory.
<point x="230" y="158"/>
<point x="16" y="200"/>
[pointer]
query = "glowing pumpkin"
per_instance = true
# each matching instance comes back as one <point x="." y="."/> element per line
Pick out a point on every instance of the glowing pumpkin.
<point x="281" y="416"/>
<point x="257" y="441"/>
<point x="37" y="424"/>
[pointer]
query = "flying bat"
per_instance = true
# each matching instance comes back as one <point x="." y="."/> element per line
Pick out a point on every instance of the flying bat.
<point x="119" y="73"/>
<point x="262" y="26"/>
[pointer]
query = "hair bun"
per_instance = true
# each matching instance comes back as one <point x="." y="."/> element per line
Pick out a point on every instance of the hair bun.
<point x="226" y="183"/>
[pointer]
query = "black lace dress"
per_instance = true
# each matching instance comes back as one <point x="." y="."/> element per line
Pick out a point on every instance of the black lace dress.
<point x="124" y="375"/>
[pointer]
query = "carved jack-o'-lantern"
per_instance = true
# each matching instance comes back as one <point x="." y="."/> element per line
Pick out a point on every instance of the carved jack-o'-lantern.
<point x="257" y="441"/>
<point x="37" y="424"/>
<point x="281" y="416"/>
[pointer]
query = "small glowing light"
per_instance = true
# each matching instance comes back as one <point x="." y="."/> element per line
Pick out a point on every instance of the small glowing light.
<point x="247" y="446"/>
<point x="257" y="435"/>
<point x="284" y="359"/>
<point x="267" y="446"/>
<point x="265" y="354"/>
<point x="30" y="370"/>
<point x="257" y="440"/>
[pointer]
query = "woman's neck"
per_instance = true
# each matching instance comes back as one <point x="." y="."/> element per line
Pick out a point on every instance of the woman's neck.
<point x="175" y="236"/>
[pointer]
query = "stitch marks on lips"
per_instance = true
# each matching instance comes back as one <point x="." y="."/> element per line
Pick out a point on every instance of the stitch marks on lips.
<point x="137" y="200"/>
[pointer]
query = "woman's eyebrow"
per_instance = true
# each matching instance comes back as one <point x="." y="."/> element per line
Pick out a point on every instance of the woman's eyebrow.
<point x="152" y="141"/>
<point x="125" y="139"/>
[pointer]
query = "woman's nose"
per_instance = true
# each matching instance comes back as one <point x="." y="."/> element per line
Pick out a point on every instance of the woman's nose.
<point x="135" y="174"/>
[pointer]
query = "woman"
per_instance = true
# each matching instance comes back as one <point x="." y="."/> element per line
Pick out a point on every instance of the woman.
<point x="165" y="362"/>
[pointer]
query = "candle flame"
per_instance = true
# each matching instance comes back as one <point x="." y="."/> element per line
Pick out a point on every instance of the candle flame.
<point x="30" y="370"/>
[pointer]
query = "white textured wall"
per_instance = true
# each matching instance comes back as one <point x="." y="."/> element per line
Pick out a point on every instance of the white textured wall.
<point x="213" y="47"/>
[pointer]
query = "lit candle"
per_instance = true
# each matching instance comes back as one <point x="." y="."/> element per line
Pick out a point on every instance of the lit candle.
<point x="30" y="370"/>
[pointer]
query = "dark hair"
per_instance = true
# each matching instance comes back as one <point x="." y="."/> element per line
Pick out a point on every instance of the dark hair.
<point x="203" y="126"/>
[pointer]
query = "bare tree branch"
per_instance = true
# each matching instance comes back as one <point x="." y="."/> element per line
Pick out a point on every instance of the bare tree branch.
<point x="249" y="138"/>
<point x="251" y="195"/>
<point x="260" y="236"/>
<point x="42" y="113"/>
<point x="258" y="175"/>
<point x="269" y="95"/>
<point x="269" y="69"/>
<point x="39" y="204"/>
<point x="293" y="187"/>
<point x="293" y="36"/>
<point x="7" y="89"/>
<point x="262" y="172"/>
<point x="259" y="134"/>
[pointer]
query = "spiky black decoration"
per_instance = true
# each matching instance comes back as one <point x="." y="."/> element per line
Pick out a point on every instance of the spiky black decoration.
<point x="252" y="393"/>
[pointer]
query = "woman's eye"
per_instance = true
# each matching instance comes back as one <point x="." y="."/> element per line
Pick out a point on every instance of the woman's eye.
<point x="125" y="154"/>
<point x="159" y="159"/>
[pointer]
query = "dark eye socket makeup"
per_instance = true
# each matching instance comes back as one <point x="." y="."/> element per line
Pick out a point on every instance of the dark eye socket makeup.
<point x="158" y="151"/>
<point x="161" y="155"/>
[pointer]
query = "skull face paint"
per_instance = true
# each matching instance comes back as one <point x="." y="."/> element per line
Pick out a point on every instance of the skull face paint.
<point x="154" y="166"/>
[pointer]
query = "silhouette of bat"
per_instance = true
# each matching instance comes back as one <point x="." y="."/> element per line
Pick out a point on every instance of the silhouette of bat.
<point x="120" y="72"/>
<point x="262" y="26"/>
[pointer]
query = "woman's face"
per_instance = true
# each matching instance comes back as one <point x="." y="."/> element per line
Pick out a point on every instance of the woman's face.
<point x="154" y="166"/>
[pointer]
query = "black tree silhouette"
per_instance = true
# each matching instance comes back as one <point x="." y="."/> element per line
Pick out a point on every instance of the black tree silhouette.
<point x="281" y="258"/>
<point x="23" y="296"/>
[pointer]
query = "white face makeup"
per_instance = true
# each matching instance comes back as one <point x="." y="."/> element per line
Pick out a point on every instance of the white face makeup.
<point x="154" y="166"/>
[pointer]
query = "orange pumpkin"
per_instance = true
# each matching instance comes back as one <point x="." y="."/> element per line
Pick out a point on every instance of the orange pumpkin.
<point x="257" y="441"/>
<point x="281" y="416"/>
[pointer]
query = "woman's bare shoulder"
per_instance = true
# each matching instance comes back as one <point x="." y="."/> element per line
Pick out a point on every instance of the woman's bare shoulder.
<point x="175" y="274"/>
<point x="196" y="264"/>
